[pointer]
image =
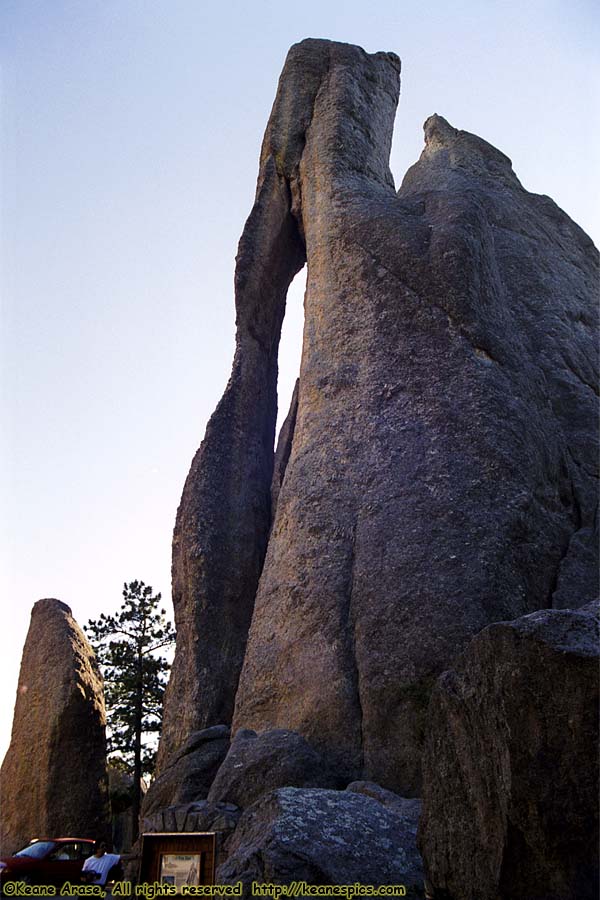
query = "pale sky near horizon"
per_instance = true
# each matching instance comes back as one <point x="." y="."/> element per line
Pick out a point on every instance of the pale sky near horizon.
<point x="130" y="138"/>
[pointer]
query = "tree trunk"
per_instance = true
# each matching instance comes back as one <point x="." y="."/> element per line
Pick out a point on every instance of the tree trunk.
<point x="137" y="750"/>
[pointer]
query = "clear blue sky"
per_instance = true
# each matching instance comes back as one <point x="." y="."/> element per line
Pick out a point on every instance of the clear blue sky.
<point x="130" y="139"/>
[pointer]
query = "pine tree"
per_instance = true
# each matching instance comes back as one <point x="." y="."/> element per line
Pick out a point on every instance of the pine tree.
<point x="135" y="675"/>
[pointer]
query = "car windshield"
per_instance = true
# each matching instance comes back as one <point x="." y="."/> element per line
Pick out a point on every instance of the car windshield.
<point x="37" y="850"/>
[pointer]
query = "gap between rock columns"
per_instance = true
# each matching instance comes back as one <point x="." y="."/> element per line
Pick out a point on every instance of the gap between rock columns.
<point x="301" y="664"/>
<point x="224" y="517"/>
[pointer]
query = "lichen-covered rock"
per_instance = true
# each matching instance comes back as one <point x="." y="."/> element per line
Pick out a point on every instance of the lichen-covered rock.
<point x="259" y="763"/>
<point x="53" y="779"/>
<point x="406" y="808"/>
<point x="322" y="837"/>
<point x="511" y="767"/>
<point x="189" y="773"/>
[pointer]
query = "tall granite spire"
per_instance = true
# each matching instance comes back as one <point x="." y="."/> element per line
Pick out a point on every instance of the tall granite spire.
<point x="441" y="452"/>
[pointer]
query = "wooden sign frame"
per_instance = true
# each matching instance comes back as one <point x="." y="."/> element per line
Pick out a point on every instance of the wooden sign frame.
<point x="178" y="858"/>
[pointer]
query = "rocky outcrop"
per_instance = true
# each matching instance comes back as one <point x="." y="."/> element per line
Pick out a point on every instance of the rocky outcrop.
<point x="438" y="470"/>
<point x="510" y="767"/>
<point x="257" y="764"/>
<point x="190" y="772"/>
<point x="53" y="779"/>
<point x="322" y="837"/>
<point x="441" y="472"/>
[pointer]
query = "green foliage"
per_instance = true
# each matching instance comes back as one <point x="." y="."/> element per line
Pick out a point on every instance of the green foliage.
<point x="127" y="647"/>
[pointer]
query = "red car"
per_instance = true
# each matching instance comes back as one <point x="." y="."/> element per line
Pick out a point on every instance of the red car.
<point x="47" y="861"/>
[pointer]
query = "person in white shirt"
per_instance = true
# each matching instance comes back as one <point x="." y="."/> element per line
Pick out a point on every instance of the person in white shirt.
<point x="99" y="865"/>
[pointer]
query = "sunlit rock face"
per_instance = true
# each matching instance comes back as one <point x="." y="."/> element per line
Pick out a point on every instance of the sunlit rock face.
<point x="439" y="459"/>
<point x="53" y="780"/>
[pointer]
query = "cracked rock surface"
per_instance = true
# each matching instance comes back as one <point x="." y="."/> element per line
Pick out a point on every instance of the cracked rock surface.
<point x="437" y="471"/>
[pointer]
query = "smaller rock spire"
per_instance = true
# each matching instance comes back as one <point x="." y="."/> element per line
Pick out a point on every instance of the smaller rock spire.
<point x="53" y="778"/>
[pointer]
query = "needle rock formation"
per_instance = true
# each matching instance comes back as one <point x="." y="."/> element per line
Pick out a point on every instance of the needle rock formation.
<point x="53" y="779"/>
<point x="437" y="469"/>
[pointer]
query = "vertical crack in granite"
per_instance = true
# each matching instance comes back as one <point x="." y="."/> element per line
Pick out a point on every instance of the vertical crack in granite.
<point x="284" y="449"/>
<point x="350" y="632"/>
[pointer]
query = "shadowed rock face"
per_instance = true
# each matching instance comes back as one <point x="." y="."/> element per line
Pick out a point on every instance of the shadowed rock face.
<point x="190" y="772"/>
<point x="511" y="776"/>
<point x="258" y="764"/>
<point x="438" y="467"/>
<point x="53" y="779"/>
